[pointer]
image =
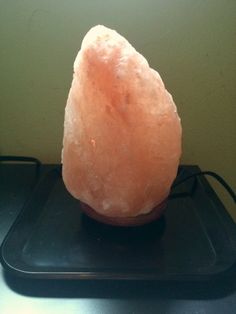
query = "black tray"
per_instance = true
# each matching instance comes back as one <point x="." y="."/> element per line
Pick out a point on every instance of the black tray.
<point x="52" y="238"/>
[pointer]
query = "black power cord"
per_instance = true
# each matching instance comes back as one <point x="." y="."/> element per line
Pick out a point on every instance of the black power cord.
<point x="209" y="173"/>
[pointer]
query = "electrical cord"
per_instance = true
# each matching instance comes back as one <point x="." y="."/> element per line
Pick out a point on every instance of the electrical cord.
<point x="212" y="174"/>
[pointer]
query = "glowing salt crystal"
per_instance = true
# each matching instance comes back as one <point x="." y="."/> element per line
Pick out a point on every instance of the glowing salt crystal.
<point x="122" y="133"/>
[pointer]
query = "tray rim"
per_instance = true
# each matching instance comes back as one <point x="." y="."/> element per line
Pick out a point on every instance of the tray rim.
<point x="137" y="274"/>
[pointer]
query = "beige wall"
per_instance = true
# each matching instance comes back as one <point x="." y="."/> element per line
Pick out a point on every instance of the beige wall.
<point x="191" y="43"/>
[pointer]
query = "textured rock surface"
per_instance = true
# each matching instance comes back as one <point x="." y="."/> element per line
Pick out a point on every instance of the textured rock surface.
<point x="122" y="133"/>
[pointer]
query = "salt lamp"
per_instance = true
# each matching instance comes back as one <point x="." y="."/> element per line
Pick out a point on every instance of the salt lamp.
<point x="122" y="133"/>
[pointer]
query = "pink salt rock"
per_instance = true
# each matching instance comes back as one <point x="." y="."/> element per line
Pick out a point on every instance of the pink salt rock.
<point x="122" y="133"/>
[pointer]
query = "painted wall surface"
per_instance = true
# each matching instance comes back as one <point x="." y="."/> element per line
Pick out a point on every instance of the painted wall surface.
<point x="191" y="43"/>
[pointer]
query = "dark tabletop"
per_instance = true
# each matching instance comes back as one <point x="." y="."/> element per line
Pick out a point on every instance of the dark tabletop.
<point x="20" y="295"/>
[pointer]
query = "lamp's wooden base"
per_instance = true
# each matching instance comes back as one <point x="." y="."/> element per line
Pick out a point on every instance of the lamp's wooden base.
<point x="139" y="220"/>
